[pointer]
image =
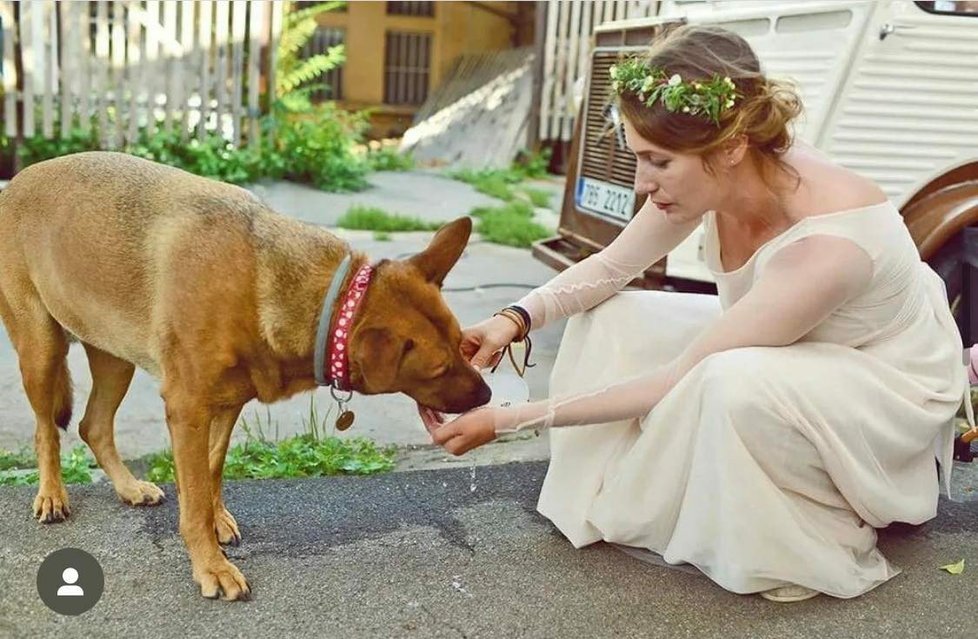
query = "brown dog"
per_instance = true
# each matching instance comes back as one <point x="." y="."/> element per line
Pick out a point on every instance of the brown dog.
<point x="202" y="285"/>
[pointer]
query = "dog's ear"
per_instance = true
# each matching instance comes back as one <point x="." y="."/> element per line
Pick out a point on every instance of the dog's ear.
<point x="446" y="247"/>
<point x="378" y="353"/>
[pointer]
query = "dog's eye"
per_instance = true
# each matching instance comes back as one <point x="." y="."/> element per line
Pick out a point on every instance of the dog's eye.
<point x="408" y="345"/>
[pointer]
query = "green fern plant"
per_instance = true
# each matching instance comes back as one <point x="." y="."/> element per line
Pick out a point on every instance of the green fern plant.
<point x="295" y="76"/>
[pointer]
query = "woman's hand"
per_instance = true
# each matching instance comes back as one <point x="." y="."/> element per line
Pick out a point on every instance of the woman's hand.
<point x="462" y="434"/>
<point x="482" y="343"/>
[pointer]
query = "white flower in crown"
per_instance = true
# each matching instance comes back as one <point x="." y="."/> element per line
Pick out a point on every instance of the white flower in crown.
<point x="613" y="72"/>
<point x="648" y="84"/>
<point x="675" y="80"/>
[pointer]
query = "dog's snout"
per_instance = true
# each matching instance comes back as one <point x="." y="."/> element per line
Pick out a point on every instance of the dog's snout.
<point x="477" y="393"/>
<point x="483" y="395"/>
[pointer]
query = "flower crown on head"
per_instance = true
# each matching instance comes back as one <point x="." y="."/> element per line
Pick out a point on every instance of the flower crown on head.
<point x="709" y="98"/>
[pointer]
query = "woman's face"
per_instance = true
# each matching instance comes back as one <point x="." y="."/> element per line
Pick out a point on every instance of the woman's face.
<point x="677" y="183"/>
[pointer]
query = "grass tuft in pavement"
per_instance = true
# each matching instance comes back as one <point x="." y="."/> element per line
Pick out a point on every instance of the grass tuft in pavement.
<point x="314" y="453"/>
<point x="75" y="467"/>
<point x="369" y="218"/>
<point x="511" y="224"/>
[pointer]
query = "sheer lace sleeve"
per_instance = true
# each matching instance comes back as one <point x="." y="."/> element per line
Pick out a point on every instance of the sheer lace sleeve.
<point x="800" y="286"/>
<point x="645" y="240"/>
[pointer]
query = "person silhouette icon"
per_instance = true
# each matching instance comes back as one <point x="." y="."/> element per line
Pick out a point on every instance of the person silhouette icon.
<point x="70" y="589"/>
<point x="70" y="582"/>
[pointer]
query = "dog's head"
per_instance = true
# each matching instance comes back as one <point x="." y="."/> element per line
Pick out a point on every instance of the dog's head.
<point x="408" y="340"/>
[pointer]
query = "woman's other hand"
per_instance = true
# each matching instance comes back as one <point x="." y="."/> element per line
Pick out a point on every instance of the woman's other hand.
<point x="462" y="434"/>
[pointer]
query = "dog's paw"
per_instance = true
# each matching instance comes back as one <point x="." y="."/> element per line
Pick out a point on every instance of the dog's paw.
<point x="226" y="527"/>
<point x="140" y="493"/>
<point x="222" y="579"/>
<point x="50" y="507"/>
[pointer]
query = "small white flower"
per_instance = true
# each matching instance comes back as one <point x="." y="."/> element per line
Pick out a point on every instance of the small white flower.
<point x="697" y="85"/>
<point x="613" y="72"/>
<point x="728" y="81"/>
<point x="675" y="79"/>
<point x="648" y="84"/>
<point x="729" y="103"/>
<point x="685" y="109"/>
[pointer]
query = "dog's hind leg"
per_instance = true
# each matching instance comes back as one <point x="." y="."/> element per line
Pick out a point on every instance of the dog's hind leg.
<point x="111" y="377"/>
<point x="42" y="347"/>
<point x="220" y="436"/>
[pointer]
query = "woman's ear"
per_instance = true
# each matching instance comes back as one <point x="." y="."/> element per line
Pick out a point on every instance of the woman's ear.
<point x="733" y="151"/>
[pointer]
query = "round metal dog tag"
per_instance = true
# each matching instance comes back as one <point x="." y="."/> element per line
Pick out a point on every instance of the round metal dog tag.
<point x="345" y="420"/>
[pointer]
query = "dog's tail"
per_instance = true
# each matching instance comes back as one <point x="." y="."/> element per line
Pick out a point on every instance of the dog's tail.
<point x="61" y="390"/>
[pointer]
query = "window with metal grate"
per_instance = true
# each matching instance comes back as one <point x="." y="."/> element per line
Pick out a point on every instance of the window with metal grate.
<point x="418" y="9"/>
<point x="407" y="67"/>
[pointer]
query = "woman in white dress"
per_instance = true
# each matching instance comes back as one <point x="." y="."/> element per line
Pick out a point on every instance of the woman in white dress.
<point x="761" y="435"/>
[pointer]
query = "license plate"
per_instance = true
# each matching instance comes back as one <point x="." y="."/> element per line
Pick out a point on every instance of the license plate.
<point x="605" y="199"/>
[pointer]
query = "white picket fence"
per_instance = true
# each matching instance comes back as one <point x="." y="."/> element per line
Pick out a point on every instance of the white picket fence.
<point x="128" y="65"/>
<point x="567" y="44"/>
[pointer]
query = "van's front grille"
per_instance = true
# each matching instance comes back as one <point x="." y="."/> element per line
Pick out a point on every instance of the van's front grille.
<point x="601" y="156"/>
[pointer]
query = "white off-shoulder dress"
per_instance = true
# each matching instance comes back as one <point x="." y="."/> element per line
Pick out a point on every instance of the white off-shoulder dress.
<point x="763" y="466"/>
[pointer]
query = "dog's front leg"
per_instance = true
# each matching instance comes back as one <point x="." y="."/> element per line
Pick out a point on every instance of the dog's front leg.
<point x="220" y="436"/>
<point x="189" y="422"/>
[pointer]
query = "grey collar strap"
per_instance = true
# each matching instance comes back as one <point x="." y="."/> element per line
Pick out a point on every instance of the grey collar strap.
<point x="326" y="320"/>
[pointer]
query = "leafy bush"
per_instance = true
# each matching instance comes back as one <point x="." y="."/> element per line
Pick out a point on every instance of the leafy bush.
<point x="317" y="147"/>
<point x="211" y="156"/>
<point x="387" y="158"/>
<point x="38" y="148"/>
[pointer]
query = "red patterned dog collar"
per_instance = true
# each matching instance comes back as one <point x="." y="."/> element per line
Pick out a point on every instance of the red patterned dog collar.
<point x="339" y="336"/>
